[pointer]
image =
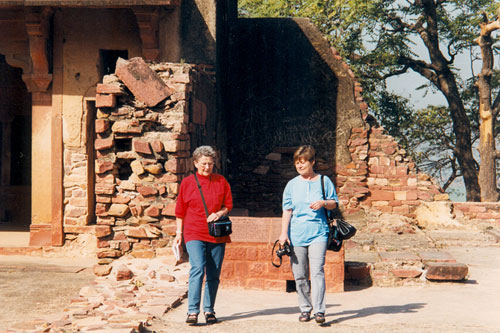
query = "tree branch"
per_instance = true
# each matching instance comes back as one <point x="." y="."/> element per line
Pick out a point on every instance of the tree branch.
<point x="453" y="175"/>
<point x="421" y="67"/>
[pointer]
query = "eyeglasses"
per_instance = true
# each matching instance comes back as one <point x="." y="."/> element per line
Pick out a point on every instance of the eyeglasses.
<point x="206" y="164"/>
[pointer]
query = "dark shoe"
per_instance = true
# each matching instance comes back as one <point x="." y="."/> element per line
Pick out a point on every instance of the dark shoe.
<point x="319" y="317"/>
<point x="304" y="317"/>
<point x="210" y="318"/>
<point x="192" y="319"/>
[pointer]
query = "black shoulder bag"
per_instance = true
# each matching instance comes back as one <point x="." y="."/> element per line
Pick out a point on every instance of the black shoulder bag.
<point x="219" y="228"/>
<point x="339" y="228"/>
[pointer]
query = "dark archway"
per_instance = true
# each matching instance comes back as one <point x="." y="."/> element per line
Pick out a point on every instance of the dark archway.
<point x="280" y="94"/>
<point x="15" y="150"/>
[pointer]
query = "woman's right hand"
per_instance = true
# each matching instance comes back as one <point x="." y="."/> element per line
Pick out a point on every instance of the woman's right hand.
<point x="178" y="239"/>
<point x="283" y="239"/>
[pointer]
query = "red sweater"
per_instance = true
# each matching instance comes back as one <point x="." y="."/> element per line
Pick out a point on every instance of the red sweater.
<point x="189" y="206"/>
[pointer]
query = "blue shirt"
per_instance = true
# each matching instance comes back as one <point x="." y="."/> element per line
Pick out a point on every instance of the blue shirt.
<point x="307" y="225"/>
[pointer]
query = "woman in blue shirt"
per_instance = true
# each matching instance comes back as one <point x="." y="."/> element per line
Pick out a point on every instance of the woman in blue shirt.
<point x="304" y="226"/>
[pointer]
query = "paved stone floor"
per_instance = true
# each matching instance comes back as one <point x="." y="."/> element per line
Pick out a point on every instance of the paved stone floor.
<point x="52" y="296"/>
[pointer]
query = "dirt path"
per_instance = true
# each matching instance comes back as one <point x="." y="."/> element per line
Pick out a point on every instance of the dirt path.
<point x="471" y="306"/>
<point x="31" y="288"/>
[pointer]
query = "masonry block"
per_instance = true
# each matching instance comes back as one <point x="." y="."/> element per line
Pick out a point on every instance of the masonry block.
<point x="103" y="88"/>
<point x="106" y="143"/>
<point x="446" y="271"/>
<point x="105" y="101"/>
<point x="101" y="125"/>
<point x="142" y="81"/>
<point x="142" y="147"/>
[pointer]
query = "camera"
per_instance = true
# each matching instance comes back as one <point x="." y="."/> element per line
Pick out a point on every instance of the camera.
<point x="285" y="250"/>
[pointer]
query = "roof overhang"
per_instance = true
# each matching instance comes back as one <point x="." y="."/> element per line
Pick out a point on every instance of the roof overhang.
<point x="90" y="3"/>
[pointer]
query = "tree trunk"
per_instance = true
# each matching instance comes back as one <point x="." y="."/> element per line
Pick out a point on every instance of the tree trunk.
<point x="487" y="170"/>
<point x="444" y="79"/>
<point x="461" y="128"/>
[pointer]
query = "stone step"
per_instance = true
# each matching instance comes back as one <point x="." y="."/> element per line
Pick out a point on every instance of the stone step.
<point x="403" y="268"/>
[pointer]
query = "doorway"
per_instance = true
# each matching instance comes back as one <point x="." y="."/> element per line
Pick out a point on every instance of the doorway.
<point x="15" y="150"/>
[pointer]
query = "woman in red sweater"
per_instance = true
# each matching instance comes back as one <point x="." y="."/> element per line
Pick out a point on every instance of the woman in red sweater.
<point x="206" y="252"/>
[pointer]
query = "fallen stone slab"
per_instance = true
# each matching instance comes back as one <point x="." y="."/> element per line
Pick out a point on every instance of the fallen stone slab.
<point x="436" y="256"/>
<point x="446" y="271"/>
<point x="142" y="81"/>
<point x="406" y="273"/>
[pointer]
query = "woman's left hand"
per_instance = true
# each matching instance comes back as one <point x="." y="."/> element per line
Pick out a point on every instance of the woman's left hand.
<point x="317" y="204"/>
<point x="212" y="217"/>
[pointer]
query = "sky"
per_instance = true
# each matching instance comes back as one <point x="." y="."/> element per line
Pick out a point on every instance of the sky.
<point x="406" y="85"/>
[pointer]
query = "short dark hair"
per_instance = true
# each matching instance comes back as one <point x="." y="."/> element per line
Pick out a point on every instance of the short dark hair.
<point x="306" y="153"/>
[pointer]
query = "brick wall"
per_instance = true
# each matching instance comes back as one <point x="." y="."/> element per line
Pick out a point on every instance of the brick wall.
<point x="247" y="262"/>
<point x="142" y="152"/>
<point x="478" y="211"/>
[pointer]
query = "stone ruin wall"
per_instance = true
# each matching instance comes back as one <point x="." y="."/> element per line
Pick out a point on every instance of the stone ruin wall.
<point x="380" y="178"/>
<point x="143" y="150"/>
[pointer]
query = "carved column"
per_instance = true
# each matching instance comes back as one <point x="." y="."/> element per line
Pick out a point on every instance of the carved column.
<point x="38" y="80"/>
<point x="37" y="26"/>
<point x="148" y="23"/>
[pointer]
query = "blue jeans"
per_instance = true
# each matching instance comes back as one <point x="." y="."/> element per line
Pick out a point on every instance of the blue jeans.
<point x="205" y="259"/>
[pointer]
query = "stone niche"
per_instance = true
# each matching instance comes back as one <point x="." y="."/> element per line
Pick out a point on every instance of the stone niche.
<point x="142" y="153"/>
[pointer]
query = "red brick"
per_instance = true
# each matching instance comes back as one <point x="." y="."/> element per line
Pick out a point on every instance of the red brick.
<point x="103" y="198"/>
<point x="76" y="212"/>
<point x="279" y="285"/>
<point x="102" y="231"/>
<point x="108" y="253"/>
<point x="142" y="147"/>
<point x="147" y="190"/>
<point x="103" y="88"/>
<point x="142" y="81"/>
<point x="123" y="273"/>
<point x="157" y="146"/>
<point x="423" y="195"/>
<point x="172" y="165"/>
<point x="106" y="220"/>
<point x="446" y="271"/>
<point x="121" y="199"/>
<point x="152" y="211"/>
<point x="106" y="143"/>
<point x="101" y="209"/>
<point x="104" y="189"/>
<point x="406" y="273"/>
<point x="101" y="125"/>
<point x="169" y="210"/>
<point x="102" y="244"/>
<point x="381" y="195"/>
<point x="101" y="166"/>
<point x="166" y="178"/>
<point x="105" y="101"/>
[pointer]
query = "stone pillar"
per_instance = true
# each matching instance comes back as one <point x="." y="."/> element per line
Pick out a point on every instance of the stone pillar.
<point x="41" y="176"/>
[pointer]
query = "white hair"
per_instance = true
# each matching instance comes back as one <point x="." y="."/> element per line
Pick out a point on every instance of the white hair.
<point x="204" y="151"/>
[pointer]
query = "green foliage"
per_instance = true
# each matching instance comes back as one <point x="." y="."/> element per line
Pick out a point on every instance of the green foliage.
<point x="384" y="38"/>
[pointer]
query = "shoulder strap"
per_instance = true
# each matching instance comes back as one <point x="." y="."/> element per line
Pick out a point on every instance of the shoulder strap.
<point x="201" y="193"/>
<point x="324" y="197"/>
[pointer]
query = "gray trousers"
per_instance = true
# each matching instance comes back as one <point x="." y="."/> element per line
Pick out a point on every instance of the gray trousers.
<point x="304" y="258"/>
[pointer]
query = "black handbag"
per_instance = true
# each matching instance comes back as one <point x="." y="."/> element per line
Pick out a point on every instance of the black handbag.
<point x="219" y="228"/>
<point x="345" y="229"/>
<point x="339" y="229"/>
